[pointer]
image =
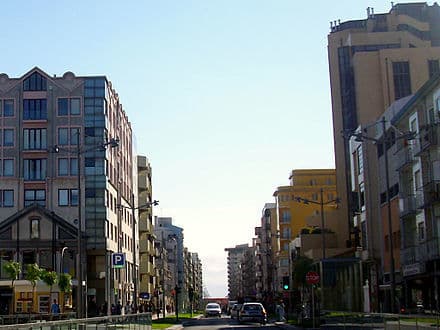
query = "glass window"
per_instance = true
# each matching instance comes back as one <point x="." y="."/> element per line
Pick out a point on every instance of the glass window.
<point x="35" y="82"/>
<point x="63" y="166"/>
<point x="433" y="67"/>
<point x="74" y="135"/>
<point x="74" y="197"/>
<point x="8" y="198"/>
<point x="63" y="136"/>
<point x="35" y="228"/>
<point x="402" y="79"/>
<point x="286" y="216"/>
<point x="63" y="197"/>
<point x="63" y="109"/>
<point x="73" y="166"/>
<point x="75" y="106"/>
<point x="34" y="169"/>
<point x="34" y="109"/>
<point x="32" y="196"/>
<point x="8" y="167"/>
<point x="34" y="139"/>
<point x="360" y="160"/>
<point x="8" y="108"/>
<point x="8" y="137"/>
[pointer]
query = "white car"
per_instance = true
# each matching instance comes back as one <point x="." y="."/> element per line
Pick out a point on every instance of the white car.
<point x="213" y="309"/>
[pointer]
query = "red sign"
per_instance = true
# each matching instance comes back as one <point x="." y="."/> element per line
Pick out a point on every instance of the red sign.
<point x="312" y="277"/>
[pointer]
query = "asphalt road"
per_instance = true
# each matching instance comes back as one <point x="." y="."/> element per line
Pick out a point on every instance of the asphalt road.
<point x="223" y="323"/>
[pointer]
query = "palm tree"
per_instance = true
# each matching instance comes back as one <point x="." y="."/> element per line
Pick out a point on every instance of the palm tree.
<point x="50" y="278"/>
<point x="13" y="269"/>
<point x="33" y="275"/>
<point x="64" y="283"/>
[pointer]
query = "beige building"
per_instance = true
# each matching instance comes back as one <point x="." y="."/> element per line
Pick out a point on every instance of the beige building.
<point x="147" y="274"/>
<point x="373" y="62"/>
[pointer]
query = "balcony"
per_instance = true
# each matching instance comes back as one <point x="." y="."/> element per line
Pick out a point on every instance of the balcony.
<point x="404" y="157"/>
<point x="428" y="138"/>
<point x="407" y="205"/>
<point x="145" y="226"/>
<point x="146" y="246"/>
<point x="422" y="252"/>
<point x="428" y="195"/>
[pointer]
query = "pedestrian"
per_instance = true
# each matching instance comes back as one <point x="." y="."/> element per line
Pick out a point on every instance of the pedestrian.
<point x="280" y="312"/>
<point x="118" y="308"/>
<point x="55" y="308"/>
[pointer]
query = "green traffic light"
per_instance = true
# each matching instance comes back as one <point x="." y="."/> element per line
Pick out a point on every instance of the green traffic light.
<point x="286" y="287"/>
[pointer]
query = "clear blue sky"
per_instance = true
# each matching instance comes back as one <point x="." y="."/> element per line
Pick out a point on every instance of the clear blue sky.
<point x="225" y="97"/>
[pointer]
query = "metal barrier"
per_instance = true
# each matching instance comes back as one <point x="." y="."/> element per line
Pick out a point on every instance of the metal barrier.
<point x="141" y="321"/>
<point x="363" y="321"/>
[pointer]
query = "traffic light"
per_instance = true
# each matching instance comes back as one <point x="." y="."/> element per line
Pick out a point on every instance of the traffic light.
<point x="286" y="282"/>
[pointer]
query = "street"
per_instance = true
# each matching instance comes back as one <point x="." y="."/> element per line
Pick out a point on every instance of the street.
<point x="225" y="322"/>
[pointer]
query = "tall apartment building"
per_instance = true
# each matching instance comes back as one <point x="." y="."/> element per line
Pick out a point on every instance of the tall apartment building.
<point x="147" y="274"/>
<point x="47" y="124"/>
<point x="170" y="238"/>
<point x="235" y="274"/>
<point x="374" y="62"/>
<point x="266" y="248"/>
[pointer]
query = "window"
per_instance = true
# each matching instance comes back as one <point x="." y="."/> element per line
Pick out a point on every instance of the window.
<point x="314" y="197"/>
<point x="34" y="138"/>
<point x="421" y="231"/>
<point x="35" y="196"/>
<point x="63" y="197"/>
<point x="68" y="106"/>
<point x="34" y="109"/>
<point x="67" y="197"/>
<point x="433" y="68"/>
<point x="63" y="107"/>
<point x="6" y="198"/>
<point x="8" y="137"/>
<point x="75" y="108"/>
<point x="286" y="216"/>
<point x="34" y="169"/>
<point x="35" y="82"/>
<point x="74" y="135"/>
<point x="63" y="136"/>
<point x="8" y="167"/>
<point x="73" y="166"/>
<point x="8" y="108"/>
<point x="360" y="160"/>
<point x="63" y="166"/>
<point x="35" y="228"/>
<point x="402" y="80"/>
<point x="362" y="196"/>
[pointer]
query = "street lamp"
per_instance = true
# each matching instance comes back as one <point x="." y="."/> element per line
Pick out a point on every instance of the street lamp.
<point x="133" y="209"/>
<point x="113" y="143"/>
<point x="321" y="203"/>
<point x="382" y="142"/>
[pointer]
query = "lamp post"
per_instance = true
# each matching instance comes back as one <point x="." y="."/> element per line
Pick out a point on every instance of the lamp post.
<point x="62" y="259"/>
<point x="321" y="203"/>
<point x="382" y="141"/>
<point x="134" y="272"/>
<point x="113" y="143"/>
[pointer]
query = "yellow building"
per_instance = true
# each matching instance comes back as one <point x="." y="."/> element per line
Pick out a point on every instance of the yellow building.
<point x="299" y="207"/>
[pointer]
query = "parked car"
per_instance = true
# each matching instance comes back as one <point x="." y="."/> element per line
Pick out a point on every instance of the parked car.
<point x="252" y="312"/>
<point x="213" y="309"/>
<point x="234" y="310"/>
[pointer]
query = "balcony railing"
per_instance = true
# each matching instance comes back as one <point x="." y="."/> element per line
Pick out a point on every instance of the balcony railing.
<point x="423" y="252"/>
<point x="428" y="138"/>
<point x="429" y="194"/>
<point x="404" y="157"/>
<point x="407" y="205"/>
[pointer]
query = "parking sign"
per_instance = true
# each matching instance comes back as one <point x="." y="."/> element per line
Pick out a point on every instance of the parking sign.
<point x="118" y="260"/>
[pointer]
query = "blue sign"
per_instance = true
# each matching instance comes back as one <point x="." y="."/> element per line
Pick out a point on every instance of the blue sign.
<point x="144" y="295"/>
<point x="118" y="260"/>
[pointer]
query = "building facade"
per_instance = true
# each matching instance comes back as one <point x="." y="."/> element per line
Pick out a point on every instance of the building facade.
<point x="61" y="176"/>
<point x="374" y="62"/>
<point x="147" y="275"/>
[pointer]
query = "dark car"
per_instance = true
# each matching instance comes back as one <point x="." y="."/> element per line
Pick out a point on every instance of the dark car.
<point x="252" y="312"/>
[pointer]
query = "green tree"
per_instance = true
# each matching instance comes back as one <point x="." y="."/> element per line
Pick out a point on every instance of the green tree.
<point x="50" y="278"/>
<point x="13" y="269"/>
<point x="65" y="285"/>
<point x="33" y="274"/>
<point x="301" y="266"/>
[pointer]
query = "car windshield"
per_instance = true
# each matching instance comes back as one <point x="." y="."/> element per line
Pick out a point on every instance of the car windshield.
<point x="252" y="307"/>
<point x="212" y="306"/>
